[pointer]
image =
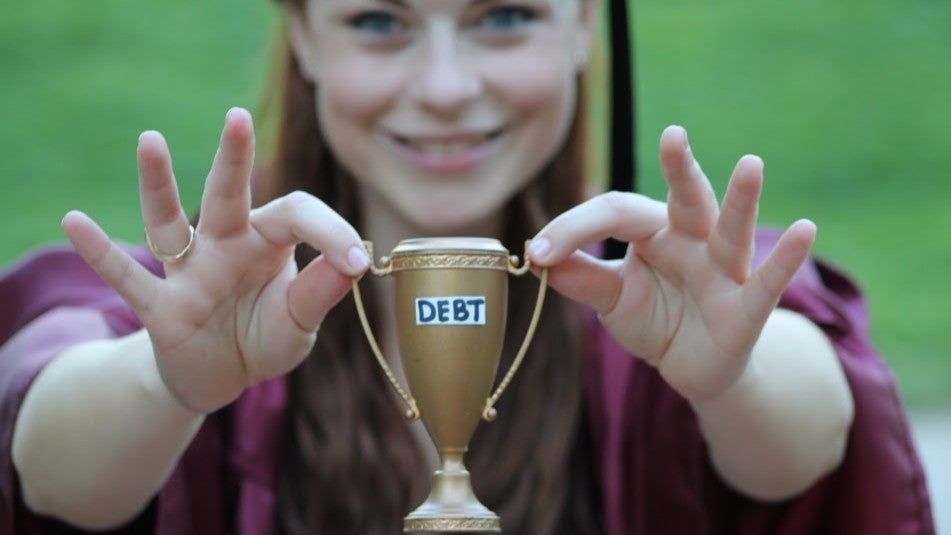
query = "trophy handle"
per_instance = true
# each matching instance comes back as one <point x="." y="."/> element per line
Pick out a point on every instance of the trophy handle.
<point x="413" y="411"/>
<point x="488" y="412"/>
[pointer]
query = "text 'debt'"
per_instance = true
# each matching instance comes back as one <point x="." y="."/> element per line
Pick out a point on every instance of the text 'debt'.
<point x="451" y="310"/>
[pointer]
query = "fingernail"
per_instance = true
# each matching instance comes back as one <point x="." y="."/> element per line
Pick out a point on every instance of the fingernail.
<point x="234" y="113"/>
<point x="357" y="258"/>
<point x="539" y="248"/>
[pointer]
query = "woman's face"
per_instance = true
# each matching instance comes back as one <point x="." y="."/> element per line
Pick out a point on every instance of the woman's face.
<point x="443" y="109"/>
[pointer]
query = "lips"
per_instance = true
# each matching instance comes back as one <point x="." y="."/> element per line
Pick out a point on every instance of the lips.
<point x="446" y="153"/>
<point x="444" y="145"/>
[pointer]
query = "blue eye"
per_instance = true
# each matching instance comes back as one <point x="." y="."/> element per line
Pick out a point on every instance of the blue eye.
<point x="507" y="18"/>
<point x="376" y="23"/>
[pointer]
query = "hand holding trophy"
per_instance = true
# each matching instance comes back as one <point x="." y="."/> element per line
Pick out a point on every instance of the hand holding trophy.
<point x="451" y="302"/>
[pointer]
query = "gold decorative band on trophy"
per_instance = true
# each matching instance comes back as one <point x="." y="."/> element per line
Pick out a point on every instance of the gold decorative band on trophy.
<point x="448" y="261"/>
<point x="451" y="302"/>
<point x="430" y="253"/>
<point x="450" y="524"/>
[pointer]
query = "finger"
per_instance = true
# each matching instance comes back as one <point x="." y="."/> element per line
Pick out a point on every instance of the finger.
<point x="226" y="200"/>
<point x="764" y="287"/>
<point x="691" y="201"/>
<point x="300" y="217"/>
<point x="165" y="221"/>
<point x="587" y="280"/>
<point x="315" y="290"/>
<point x="133" y="282"/>
<point x="731" y="243"/>
<point x="624" y="216"/>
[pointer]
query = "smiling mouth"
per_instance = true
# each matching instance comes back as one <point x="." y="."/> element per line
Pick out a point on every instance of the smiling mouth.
<point x="436" y="146"/>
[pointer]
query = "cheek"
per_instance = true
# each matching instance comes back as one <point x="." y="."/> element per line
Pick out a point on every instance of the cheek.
<point x="350" y="100"/>
<point x="356" y="90"/>
<point x="540" y="95"/>
<point x="531" y="83"/>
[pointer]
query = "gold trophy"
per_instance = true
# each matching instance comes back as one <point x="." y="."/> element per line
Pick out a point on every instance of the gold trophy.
<point x="451" y="304"/>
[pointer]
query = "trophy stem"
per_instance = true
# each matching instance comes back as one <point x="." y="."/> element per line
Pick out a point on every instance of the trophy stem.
<point x="452" y="505"/>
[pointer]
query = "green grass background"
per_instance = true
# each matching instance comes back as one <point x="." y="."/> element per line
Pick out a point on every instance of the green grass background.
<point x="847" y="102"/>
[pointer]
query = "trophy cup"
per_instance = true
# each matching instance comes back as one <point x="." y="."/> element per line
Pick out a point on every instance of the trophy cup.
<point x="451" y="304"/>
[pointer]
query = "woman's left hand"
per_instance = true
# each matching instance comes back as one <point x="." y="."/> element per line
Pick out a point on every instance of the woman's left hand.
<point x="683" y="298"/>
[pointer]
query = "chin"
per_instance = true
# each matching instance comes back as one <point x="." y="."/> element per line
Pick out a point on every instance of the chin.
<point x="448" y="222"/>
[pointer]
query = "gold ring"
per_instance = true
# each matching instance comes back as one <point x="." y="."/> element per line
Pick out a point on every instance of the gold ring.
<point x="171" y="258"/>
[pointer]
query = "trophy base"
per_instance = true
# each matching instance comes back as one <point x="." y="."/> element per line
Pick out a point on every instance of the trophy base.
<point x="451" y="525"/>
<point x="452" y="507"/>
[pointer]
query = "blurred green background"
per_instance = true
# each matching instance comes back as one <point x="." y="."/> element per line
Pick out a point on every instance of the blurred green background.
<point x="847" y="102"/>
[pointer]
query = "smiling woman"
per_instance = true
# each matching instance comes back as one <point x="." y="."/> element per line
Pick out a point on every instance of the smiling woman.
<point x="663" y="391"/>
<point x="438" y="116"/>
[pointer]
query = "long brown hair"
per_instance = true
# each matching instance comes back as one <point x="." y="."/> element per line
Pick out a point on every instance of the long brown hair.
<point x="350" y="463"/>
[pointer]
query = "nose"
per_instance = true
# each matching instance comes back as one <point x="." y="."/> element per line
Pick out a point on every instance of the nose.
<point x="446" y="82"/>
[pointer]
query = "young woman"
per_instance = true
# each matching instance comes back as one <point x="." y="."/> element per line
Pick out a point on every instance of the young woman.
<point x="224" y="385"/>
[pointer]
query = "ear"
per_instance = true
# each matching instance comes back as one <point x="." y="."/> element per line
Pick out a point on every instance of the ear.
<point x="587" y="26"/>
<point x="301" y="41"/>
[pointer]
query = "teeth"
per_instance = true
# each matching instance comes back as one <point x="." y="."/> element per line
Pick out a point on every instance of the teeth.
<point x="444" y="148"/>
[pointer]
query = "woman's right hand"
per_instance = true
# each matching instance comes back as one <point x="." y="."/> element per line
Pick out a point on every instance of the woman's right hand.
<point x="234" y="311"/>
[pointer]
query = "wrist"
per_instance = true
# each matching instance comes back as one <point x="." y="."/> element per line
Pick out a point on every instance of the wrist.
<point x="151" y="381"/>
<point x="784" y="422"/>
<point x="743" y="389"/>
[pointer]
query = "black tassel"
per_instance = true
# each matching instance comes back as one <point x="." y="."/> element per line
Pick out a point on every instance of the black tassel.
<point x="622" y="165"/>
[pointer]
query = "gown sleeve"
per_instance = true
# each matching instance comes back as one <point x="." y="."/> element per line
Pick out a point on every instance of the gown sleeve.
<point x="224" y="482"/>
<point x="49" y="300"/>
<point x="653" y="462"/>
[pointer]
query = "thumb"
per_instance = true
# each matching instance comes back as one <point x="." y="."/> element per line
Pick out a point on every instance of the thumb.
<point x="315" y="290"/>
<point x="587" y="280"/>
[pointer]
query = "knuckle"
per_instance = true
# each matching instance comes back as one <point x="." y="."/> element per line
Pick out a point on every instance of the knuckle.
<point x="342" y="231"/>
<point x="615" y="198"/>
<point x="238" y="150"/>
<point x="298" y="204"/>
<point x="309" y="216"/>
<point x="297" y="199"/>
<point x="616" y="202"/>
<point x="341" y="228"/>
<point x="167" y="214"/>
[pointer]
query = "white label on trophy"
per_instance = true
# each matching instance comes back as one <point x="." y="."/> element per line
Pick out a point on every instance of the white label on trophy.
<point x="451" y="310"/>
